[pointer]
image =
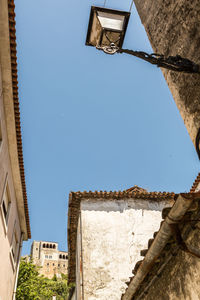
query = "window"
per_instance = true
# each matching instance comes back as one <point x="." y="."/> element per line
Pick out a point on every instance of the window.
<point x="63" y="265"/>
<point x="46" y="256"/>
<point x="14" y="249"/>
<point x="50" y="256"/>
<point x="53" y="264"/>
<point x="58" y="265"/>
<point x="14" y="246"/>
<point x="5" y="207"/>
<point x="47" y="264"/>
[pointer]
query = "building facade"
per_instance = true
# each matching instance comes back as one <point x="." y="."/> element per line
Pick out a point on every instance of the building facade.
<point x="50" y="260"/>
<point x="14" y="217"/>
<point x="173" y="28"/>
<point x="106" y="232"/>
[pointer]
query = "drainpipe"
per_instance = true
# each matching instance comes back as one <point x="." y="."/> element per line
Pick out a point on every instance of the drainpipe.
<point x="176" y="213"/>
<point x="18" y="263"/>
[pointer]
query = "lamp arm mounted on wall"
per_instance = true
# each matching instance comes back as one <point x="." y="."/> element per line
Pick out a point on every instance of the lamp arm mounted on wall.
<point x="173" y="63"/>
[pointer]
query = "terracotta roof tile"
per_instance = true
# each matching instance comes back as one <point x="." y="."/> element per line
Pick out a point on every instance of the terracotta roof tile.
<point x="195" y="184"/>
<point x="122" y="195"/>
<point x="13" y="53"/>
<point x="136" y="188"/>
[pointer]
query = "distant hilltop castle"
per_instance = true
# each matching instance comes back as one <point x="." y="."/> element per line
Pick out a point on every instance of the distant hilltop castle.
<point x="47" y="256"/>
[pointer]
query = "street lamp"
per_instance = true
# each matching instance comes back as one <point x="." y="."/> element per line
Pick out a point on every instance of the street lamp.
<point x="106" y="31"/>
<point x="107" y="27"/>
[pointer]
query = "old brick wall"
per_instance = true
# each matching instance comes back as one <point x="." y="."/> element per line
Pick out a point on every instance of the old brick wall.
<point x="180" y="280"/>
<point x="173" y="27"/>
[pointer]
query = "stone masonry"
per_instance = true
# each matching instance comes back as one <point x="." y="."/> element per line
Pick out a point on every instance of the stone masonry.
<point x="47" y="256"/>
<point x="173" y="27"/>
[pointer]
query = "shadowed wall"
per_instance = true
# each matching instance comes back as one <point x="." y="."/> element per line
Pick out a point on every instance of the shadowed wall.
<point x="173" y="27"/>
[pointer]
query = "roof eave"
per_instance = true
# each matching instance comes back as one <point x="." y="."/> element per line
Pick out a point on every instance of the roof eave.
<point x="11" y="107"/>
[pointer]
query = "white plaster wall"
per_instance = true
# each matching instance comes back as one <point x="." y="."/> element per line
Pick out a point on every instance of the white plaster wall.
<point x="72" y="298"/>
<point x="113" y="233"/>
<point x="78" y="288"/>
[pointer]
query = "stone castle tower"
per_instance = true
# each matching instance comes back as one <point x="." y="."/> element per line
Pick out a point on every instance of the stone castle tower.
<point x="47" y="256"/>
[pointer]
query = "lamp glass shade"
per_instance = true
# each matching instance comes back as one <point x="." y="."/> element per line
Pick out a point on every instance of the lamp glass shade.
<point x="106" y="26"/>
<point x="111" y="21"/>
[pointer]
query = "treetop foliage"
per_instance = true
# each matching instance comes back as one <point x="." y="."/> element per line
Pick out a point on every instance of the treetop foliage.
<point x="32" y="286"/>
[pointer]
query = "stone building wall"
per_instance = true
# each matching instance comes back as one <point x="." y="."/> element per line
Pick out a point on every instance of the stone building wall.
<point x="47" y="256"/>
<point x="173" y="27"/>
<point x="113" y="233"/>
<point x="180" y="279"/>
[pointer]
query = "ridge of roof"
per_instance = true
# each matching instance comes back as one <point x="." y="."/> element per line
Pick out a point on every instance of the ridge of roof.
<point x="136" y="188"/>
<point x="121" y="194"/>
<point x="13" y="55"/>
<point x="74" y="210"/>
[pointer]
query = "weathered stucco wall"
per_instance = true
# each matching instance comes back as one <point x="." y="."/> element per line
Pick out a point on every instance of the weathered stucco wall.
<point x="180" y="279"/>
<point x="113" y="233"/>
<point x="73" y="296"/>
<point x="173" y="27"/>
<point x="79" y="274"/>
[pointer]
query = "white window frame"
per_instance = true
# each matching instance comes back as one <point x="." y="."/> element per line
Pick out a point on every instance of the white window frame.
<point x="14" y="252"/>
<point x="5" y="219"/>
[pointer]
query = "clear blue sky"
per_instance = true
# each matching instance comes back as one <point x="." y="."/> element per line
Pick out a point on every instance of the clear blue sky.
<point x="91" y="121"/>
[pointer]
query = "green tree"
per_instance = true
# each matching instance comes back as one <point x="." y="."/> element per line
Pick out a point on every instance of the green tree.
<point x="32" y="286"/>
<point x="59" y="287"/>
